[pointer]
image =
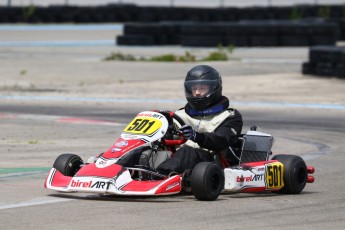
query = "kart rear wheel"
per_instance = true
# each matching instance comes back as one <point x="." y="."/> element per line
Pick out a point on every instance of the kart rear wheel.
<point x="207" y="181"/>
<point x="68" y="164"/>
<point x="295" y="173"/>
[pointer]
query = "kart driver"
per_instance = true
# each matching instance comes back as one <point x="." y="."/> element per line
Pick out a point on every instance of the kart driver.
<point x="211" y="126"/>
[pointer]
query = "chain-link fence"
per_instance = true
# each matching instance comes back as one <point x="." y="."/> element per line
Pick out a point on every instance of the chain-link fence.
<point x="172" y="3"/>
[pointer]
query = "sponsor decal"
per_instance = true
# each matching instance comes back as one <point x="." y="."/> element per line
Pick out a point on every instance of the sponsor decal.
<point x="101" y="162"/>
<point x="257" y="177"/>
<point x="171" y="186"/>
<point x="115" y="150"/>
<point x="81" y="184"/>
<point x="89" y="184"/>
<point x="154" y="115"/>
<point x="132" y="146"/>
<point x="121" y="143"/>
<point x="101" y="184"/>
<point x="129" y="136"/>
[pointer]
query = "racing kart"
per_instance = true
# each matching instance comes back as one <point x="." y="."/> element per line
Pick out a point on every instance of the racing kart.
<point x="128" y="167"/>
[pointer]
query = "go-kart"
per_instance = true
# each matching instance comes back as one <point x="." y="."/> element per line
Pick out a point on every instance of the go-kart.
<point x="128" y="167"/>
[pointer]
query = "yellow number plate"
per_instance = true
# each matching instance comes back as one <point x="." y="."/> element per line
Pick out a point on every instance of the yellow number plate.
<point x="274" y="175"/>
<point x="144" y="126"/>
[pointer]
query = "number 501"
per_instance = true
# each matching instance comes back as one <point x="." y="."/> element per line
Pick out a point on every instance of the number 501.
<point x="138" y="125"/>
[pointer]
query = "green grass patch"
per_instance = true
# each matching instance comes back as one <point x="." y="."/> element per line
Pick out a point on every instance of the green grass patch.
<point x="119" y="57"/>
<point x="23" y="170"/>
<point x="295" y="14"/>
<point x="28" y="11"/>
<point x="216" y="56"/>
<point x="166" y="58"/>
<point x="221" y="54"/>
<point x="23" y="72"/>
<point x="324" y="12"/>
<point x="33" y="142"/>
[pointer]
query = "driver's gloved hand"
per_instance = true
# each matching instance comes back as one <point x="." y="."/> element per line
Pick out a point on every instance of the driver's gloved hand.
<point x="188" y="132"/>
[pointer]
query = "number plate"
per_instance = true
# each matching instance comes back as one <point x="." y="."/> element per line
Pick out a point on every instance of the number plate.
<point x="143" y="126"/>
<point x="274" y="176"/>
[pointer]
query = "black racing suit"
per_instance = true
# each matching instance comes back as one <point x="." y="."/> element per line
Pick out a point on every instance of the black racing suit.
<point x="186" y="157"/>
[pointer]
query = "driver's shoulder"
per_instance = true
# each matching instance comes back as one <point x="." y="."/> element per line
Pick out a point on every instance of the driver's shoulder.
<point x="180" y="111"/>
<point x="232" y="111"/>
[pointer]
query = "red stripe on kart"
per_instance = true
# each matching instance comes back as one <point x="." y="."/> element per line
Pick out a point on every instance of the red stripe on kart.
<point x="141" y="186"/>
<point x="167" y="186"/>
<point x="121" y="147"/>
<point x="76" y="120"/>
<point x="108" y="172"/>
<point x="255" y="189"/>
<point x="7" y="115"/>
<point x="59" y="180"/>
<point x="172" y="185"/>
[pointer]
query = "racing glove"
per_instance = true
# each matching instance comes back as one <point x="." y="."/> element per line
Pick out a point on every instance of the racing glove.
<point x="188" y="132"/>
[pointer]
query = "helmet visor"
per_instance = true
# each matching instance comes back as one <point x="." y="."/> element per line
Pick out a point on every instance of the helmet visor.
<point x="200" y="88"/>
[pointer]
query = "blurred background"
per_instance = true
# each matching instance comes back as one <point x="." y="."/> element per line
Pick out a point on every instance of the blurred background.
<point x="192" y="3"/>
<point x="186" y="23"/>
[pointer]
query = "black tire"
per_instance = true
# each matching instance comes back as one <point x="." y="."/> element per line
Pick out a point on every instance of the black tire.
<point x="207" y="181"/>
<point x="68" y="164"/>
<point x="295" y="173"/>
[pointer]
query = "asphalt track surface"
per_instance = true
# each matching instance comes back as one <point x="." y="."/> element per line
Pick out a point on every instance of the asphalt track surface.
<point x="39" y="123"/>
<point x="25" y="204"/>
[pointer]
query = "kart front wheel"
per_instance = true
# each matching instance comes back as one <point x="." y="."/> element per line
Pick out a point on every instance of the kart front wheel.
<point x="295" y="173"/>
<point x="207" y="181"/>
<point x="68" y="164"/>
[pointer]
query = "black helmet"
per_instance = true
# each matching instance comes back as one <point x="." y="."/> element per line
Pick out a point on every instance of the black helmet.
<point x="203" y="75"/>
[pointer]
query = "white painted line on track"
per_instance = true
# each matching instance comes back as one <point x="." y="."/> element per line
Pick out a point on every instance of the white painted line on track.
<point x="272" y="60"/>
<point x="38" y="201"/>
<point x="56" y="43"/>
<point x="20" y="174"/>
<point x="91" y="99"/>
<point x="63" y="27"/>
<point x="61" y="119"/>
<point x="176" y="101"/>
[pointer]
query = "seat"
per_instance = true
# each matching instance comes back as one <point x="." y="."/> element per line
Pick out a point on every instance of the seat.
<point x="256" y="148"/>
<point x="232" y="154"/>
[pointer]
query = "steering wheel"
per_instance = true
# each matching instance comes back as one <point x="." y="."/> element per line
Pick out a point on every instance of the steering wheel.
<point x="174" y="123"/>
